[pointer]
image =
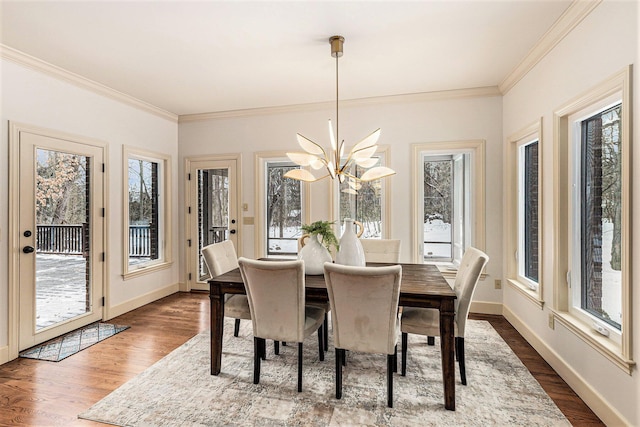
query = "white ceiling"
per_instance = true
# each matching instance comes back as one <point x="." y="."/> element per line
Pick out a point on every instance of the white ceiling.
<point x="190" y="57"/>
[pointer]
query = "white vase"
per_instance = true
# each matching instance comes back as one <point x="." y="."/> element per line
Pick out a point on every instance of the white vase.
<point x="314" y="254"/>
<point x="350" y="252"/>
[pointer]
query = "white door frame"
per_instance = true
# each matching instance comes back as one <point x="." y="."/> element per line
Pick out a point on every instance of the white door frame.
<point x="14" y="222"/>
<point x="190" y="211"/>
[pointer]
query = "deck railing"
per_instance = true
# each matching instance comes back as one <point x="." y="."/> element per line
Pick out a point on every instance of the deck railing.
<point x="69" y="239"/>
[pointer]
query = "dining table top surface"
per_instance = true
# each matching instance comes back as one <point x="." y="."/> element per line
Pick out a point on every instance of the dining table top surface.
<point x="418" y="279"/>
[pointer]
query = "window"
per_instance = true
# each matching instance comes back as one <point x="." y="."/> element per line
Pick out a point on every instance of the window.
<point x="448" y="200"/>
<point x="369" y="205"/>
<point x="528" y="259"/>
<point x="593" y="219"/>
<point x="284" y="210"/>
<point x="596" y="267"/>
<point x="281" y="206"/>
<point x="523" y="224"/>
<point x="146" y="211"/>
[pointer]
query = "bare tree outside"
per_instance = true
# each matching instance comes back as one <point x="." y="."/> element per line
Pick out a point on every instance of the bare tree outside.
<point x="60" y="188"/>
<point x="284" y="209"/>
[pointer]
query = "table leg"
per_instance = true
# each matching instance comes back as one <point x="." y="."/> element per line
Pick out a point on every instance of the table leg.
<point x="447" y="353"/>
<point x="216" y="327"/>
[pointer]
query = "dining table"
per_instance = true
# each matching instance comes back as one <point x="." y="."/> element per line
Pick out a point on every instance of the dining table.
<point x="422" y="285"/>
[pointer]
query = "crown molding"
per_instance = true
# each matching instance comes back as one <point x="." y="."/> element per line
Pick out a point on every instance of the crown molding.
<point x="567" y="22"/>
<point x="487" y="91"/>
<point x="34" y="63"/>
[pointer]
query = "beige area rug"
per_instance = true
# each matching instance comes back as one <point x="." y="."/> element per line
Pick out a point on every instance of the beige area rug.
<point x="179" y="391"/>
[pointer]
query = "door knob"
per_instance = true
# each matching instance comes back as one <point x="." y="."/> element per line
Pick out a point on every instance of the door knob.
<point x="27" y="249"/>
<point x="232" y="231"/>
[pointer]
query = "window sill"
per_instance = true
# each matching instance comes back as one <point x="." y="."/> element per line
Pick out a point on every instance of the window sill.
<point x="525" y="290"/>
<point x="602" y="344"/>
<point x="141" y="271"/>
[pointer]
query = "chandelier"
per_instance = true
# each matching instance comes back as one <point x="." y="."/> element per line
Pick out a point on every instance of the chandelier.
<point x="317" y="158"/>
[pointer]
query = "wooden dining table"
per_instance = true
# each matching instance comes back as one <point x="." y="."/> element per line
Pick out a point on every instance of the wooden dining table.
<point x="422" y="286"/>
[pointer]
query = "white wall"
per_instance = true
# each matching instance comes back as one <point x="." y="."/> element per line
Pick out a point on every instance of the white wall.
<point x="36" y="99"/>
<point x="604" y="43"/>
<point x="402" y="124"/>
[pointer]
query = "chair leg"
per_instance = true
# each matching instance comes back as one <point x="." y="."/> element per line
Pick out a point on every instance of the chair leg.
<point x="404" y="354"/>
<point x="460" y="347"/>
<point x="338" y="373"/>
<point x="431" y="341"/>
<point x="263" y="349"/>
<point x="276" y="347"/>
<point x="395" y="359"/>
<point x="321" y="344"/>
<point x="390" y="358"/>
<point x="256" y="360"/>
<point x="326" y="332"/>
<point x="299" y="367"/>
<point x="236" y="328"/>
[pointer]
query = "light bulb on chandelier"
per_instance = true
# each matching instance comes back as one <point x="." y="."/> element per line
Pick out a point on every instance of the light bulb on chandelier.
<point x="317" y="158"/>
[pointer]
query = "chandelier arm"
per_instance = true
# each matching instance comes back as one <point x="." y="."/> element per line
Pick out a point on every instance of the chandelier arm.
<point x="345" y="167"/>
<point x="348" y="175"/>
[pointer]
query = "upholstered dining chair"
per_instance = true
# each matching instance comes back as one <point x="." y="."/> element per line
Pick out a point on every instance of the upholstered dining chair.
<point x="276" y="293"/>
<point x="426" y="321"/>
<point x="381" y="250"/>
<point x="364" y="303"/>
<point x="219" y="259"/>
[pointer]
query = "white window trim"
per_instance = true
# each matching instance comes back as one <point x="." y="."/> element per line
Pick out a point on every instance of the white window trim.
<point x="129" y="272"/>
<point x="512" y="177"/>
<point x="619" y="354"/>
<point x="260" y="161"/>
<point x="384" y="152"/>
<point x="477" y="168"/>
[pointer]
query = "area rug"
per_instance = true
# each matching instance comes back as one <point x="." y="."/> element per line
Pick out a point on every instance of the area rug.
<point x="71" y="343"/>
<point x="179" y="390"/>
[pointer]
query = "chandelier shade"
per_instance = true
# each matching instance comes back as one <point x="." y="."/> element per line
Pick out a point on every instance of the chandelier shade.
<point x="333" y="162"/>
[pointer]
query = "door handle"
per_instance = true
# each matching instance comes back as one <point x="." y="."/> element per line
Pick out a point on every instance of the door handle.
<point x="232" y="231"/>
<point x="28" y="249"/>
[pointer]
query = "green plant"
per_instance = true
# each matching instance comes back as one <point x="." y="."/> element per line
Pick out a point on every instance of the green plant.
<point x="323" y="228"/>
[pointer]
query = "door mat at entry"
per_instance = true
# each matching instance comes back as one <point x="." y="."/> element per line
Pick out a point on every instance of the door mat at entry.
<point x="71" y="343"/>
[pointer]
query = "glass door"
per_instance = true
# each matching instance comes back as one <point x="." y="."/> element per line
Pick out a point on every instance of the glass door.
<point x="60" y="278"/>
<point x="212" y="212"/>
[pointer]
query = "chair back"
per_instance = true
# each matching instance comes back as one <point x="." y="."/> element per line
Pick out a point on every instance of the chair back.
<point x="471" y="266"/>
<point x="381" y="250"/>
<point x="276" y="294"/>
<point x="220" y="257"/>
<point x="364" y="306"/>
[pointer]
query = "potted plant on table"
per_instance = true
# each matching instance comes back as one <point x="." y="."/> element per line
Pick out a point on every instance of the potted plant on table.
<point x="315" y="251"/>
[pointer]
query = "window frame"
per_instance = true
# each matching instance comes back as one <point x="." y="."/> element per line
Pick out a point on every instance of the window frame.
<point x="618" y="353"/>
<point x="476" y="178"/>
<point x="165" y="258"/>
<point x="261" y="161"/>
<point x="513" y="178"/>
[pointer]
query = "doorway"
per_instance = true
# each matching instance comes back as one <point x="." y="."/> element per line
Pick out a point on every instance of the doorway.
<point x="57" y="234"/>
<point x="212" y="211"/>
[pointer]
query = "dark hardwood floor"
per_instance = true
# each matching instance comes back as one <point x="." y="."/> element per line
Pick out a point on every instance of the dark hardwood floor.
<point x="38" y="393"/>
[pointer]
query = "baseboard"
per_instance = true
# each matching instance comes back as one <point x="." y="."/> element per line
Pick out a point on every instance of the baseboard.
<point x="4" y="354"/>
<point x="609" y="415"/>
<point x="132" y="304"/>
<point x="482" y="307"/>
